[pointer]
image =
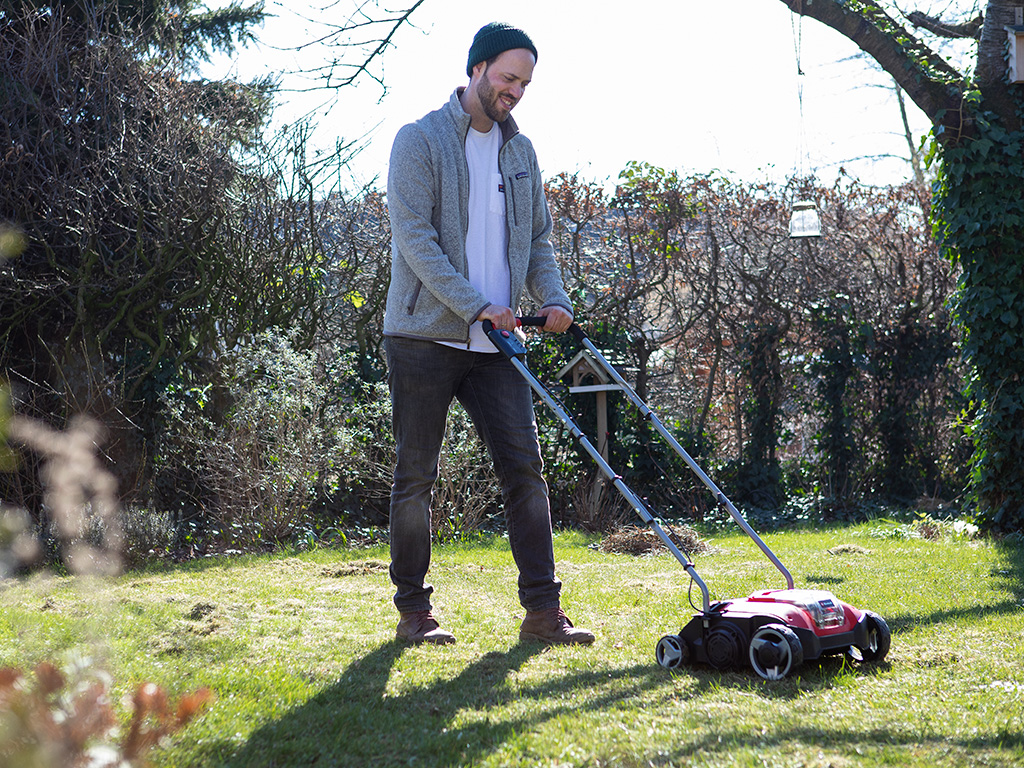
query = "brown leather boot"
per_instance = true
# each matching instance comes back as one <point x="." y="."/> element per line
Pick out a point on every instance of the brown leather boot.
<point x="422" y="627"/>
<point x="553" y="626"/>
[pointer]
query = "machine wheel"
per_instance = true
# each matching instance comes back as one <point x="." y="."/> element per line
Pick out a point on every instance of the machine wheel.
<point x="723" y="646"/>
<point x="879" y="639"/>
<point x="775" y="651"/>
<point x="672" y="652"/>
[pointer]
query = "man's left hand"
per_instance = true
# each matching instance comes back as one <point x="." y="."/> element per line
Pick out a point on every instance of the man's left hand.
<point x="558" y="320"/>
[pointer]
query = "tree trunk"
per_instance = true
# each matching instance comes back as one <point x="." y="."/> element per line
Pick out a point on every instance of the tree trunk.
<point x="991" y="69"/>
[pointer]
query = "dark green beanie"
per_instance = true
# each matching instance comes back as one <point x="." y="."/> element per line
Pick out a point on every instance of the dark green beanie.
<point x="495" y="38"/>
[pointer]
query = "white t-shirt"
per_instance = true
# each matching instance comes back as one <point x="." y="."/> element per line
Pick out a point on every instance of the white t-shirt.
<point x="487" y="236"/>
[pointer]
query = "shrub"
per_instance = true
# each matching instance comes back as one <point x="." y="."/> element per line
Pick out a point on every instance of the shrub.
<point x="276" y="440"/>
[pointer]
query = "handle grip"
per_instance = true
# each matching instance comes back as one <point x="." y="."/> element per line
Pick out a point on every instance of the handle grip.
<point x="577" y="332"/>
<point x="528" y="320"/>
<point x="537" y="321"/>
<point x="534" y="320"/>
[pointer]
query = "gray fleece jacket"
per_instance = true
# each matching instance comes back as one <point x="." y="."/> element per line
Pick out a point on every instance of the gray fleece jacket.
<point x="430" y="296"/>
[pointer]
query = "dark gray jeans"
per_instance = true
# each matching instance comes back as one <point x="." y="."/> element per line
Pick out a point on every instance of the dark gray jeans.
<point x="424" y="378"/>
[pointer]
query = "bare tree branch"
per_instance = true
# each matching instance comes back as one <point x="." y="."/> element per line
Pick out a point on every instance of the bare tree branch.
<point x="928" y="79"/>
<point x="339" y="36"/>
<point x="939" y="28"/>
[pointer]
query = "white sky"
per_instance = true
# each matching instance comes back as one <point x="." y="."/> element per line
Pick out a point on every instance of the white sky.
<point x="691" y="85"/>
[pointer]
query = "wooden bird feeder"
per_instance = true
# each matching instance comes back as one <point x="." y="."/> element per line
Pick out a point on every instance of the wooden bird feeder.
<point x="1015" y="73"/>
<point x="589" y="376"/>
<point x="1015" y="35"/>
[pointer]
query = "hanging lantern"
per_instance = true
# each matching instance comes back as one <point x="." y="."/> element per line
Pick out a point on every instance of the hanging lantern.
<point x="804" y="221"/>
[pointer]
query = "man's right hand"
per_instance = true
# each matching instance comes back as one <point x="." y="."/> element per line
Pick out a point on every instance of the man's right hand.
<point x="501" y="317"/>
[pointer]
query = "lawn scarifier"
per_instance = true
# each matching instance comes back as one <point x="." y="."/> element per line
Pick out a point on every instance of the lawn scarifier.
<point x="772" y="630"/>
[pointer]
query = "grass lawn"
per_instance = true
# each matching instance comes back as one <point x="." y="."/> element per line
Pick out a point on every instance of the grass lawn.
<point x="301" y="655"/>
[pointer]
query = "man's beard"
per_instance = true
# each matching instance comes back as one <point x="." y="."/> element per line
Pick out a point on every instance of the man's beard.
<point x="491" y="102"/>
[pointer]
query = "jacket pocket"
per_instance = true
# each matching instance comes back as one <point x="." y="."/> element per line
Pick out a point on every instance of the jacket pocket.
<point x="510" y="208"/>
<point x="521" y="203"/>
<point x="410" y="306"/>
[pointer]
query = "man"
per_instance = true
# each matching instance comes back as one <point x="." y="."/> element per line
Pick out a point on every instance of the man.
<point x="470" y="232"/>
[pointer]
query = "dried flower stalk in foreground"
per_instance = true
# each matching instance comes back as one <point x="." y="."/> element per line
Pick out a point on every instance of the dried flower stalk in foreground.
<point x="77" y="486"/>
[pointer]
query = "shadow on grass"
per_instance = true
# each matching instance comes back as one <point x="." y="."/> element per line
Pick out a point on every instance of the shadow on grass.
<point x="1011" y="570"/>
<point x="357" y="722"/>
<point x="866" y="744"/>
<point x="903" y="622"/>
<point x="449" y="722"/>
<point x="461" y="720"/>
<point x="1008" y="575"/>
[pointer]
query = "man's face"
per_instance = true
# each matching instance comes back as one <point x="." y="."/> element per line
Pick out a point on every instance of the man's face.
<point x="502" y="83"/>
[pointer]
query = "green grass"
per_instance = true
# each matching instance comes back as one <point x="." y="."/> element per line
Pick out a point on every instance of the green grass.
<point x="300" y="652"/>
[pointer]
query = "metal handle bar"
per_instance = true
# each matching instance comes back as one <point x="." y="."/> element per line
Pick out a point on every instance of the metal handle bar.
<point x="580" y="335"/>
<point x="509" y="345"/>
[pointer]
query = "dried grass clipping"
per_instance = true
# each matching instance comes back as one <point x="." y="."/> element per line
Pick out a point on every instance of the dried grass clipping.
<point x="634" y="540"/>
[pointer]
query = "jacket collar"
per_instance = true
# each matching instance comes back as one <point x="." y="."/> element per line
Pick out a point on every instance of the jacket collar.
<point x="462" y="118"/>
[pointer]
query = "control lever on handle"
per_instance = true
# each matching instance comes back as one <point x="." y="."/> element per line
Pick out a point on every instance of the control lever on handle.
<point x="505" y="341"/>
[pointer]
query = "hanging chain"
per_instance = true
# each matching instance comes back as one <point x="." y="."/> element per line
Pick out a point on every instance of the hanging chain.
<point x="796" y="23"/>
